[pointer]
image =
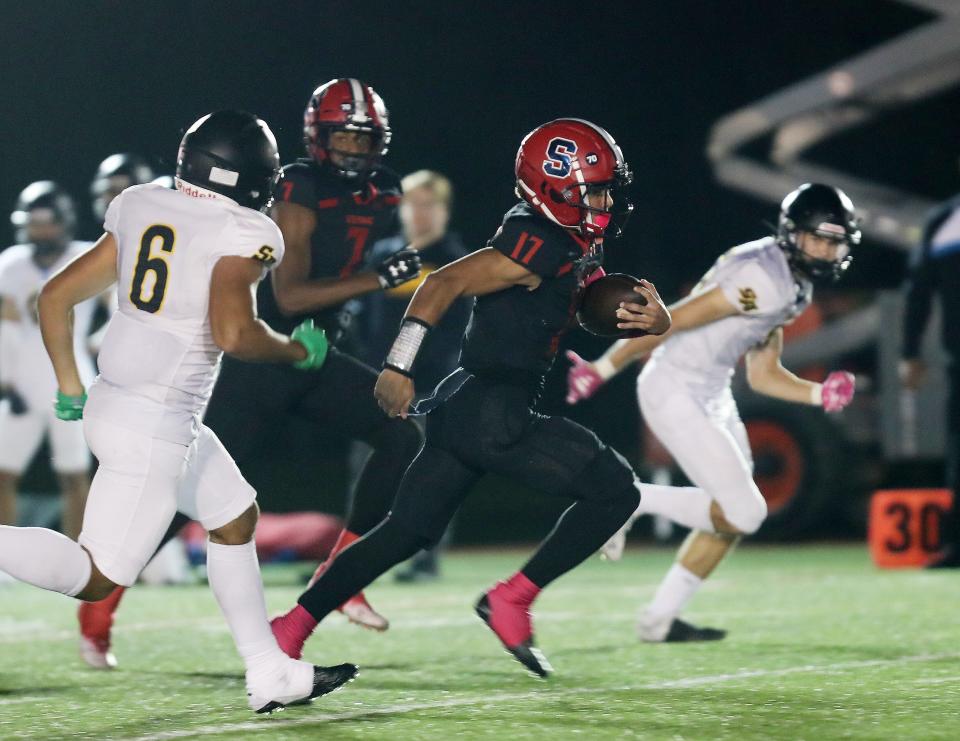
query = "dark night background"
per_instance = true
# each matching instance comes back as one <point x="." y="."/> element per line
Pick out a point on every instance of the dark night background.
<point x="463" y="83"/>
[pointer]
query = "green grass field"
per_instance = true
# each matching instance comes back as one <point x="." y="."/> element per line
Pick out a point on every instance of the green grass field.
<point x="822" y="646"/>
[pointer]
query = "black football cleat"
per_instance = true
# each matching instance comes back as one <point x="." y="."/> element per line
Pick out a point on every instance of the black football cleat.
<point x="525" y="651"/>
<point x="682" y="632"/>
<point x="326" y="679"/>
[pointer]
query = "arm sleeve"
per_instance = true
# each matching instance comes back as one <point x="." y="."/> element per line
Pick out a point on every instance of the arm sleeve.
<point x="920" y="286"/>
<point x="526" y="243"/>
<point x="752" y="290"/>
<point x="297" y="187"/>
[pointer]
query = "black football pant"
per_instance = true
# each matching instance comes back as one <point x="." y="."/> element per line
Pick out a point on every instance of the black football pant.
<point x="339" y="397"/>
<point x="489" y="427"/>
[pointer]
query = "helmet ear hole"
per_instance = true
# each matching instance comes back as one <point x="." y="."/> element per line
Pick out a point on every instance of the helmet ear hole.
<point x="555" y="195"/>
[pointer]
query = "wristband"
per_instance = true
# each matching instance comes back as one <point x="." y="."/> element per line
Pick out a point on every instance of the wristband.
<point x="816" y="395"/>
<point x="604" y="368"/>
<point x="403" y="353"/>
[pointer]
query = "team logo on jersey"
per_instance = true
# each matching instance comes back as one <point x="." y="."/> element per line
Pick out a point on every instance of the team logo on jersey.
<point x="748" y="299"/>
<point x="265" y="255"/>
<point x="560" y="153"/>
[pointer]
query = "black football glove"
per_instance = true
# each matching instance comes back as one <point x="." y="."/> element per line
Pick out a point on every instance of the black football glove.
<point x="17" y="405"/>
<point x="399" y="268"/>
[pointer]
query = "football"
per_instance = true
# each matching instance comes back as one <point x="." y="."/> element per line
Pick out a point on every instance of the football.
<point x="601" y="299"/>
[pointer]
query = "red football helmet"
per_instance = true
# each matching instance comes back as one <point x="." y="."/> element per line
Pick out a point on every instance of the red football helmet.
<point x="346" y="104"/>
<point x="560" y="162"/>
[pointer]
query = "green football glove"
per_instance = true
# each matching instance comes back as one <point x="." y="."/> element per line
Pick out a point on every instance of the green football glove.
<point x="314" y="342"/>
<point x="69" y="408"/>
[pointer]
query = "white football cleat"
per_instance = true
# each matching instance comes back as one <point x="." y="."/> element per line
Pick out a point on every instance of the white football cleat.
<point x="669" y="629"/>
<point x="294" y="683"/>
<point x="653" y="628"/>
<point x="359" y="612"/>
<point x="97" y="654"/>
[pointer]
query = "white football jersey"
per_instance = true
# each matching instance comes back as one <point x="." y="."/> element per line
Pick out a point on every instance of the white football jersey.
<point x="158" y="351"/>
<point x="755" y="278"/>
<point x="20" y="282"/>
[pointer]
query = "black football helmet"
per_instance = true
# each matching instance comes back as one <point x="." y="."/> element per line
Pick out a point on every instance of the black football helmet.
<point x="827" y="212"/>
<point x="232" y="153"/>
<point x="114" y="175"/>
<point x="44" y="202"/>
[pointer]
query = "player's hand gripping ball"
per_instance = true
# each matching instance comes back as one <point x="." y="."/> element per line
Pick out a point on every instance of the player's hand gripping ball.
<point x="619" y="305"/>
<point x="394" y="392"/>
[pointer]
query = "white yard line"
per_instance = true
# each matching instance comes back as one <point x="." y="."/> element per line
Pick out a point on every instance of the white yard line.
<point x="18" y="700"/>
<point x="546" y="693"/>
<point x="955" y="679"/>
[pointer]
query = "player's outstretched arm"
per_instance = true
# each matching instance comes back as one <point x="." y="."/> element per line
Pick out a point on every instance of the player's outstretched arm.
<point x="766" y="375"/>
<point x="92" y="273"/>
<point x="297" y="293"/>
<point x="233" y="315"/>
<point x="482" y="272"/>
<point x="584" y="379"/>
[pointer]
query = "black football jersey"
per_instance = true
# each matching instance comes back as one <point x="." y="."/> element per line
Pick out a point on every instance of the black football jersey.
<point x="516" y="332"/>
<point x="348" y="225"/>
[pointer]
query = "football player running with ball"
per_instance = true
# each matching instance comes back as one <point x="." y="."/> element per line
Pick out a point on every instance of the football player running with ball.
<point x="738" y="308"/>
<point x="186" y="262"/>
<point x="570" y="175"/>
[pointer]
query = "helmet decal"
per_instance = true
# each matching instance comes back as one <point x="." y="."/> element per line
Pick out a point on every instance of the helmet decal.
<point x="559" y="153"/>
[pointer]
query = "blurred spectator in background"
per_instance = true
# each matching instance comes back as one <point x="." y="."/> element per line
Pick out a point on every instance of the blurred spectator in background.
<point x="935" y="270"/>
<point x="425" y="217"/>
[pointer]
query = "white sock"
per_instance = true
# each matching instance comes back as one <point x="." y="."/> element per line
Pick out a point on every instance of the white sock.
<point x="44" y="558"/>
<point x="685" y="505"/>
<point x="674" y="592"/>
<point x="234" y="575"/>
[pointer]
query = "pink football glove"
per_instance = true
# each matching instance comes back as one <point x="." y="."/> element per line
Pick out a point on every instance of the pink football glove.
<point x="582" y="379"/>
<point x="837" y="391"/>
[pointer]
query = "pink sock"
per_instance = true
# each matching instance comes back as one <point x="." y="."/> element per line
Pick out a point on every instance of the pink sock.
<point x="300" y="621"/>
<point x="292" y="630"/>
<point x="520" y="589"/>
